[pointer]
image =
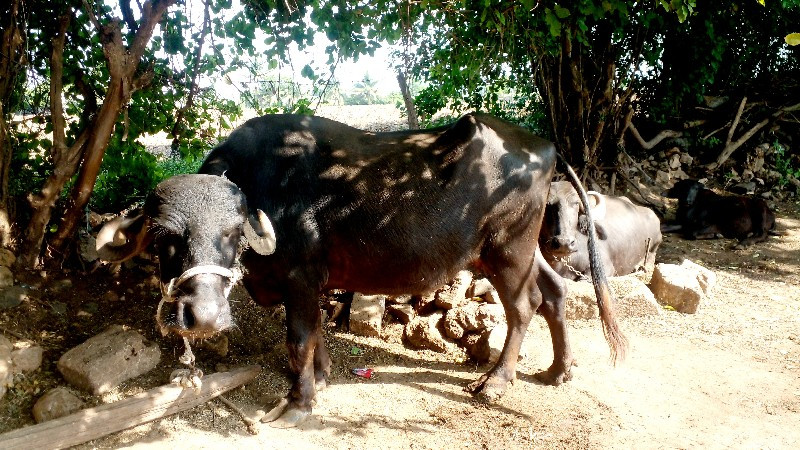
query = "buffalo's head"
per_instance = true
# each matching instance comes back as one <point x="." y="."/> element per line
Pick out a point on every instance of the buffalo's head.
<point x="564" y="218"/>
<point x="196" y="223"/>
<point x="685" y="191"/>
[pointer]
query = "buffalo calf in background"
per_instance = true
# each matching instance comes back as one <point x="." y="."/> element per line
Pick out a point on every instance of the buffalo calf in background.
<point x="629" y="235"/>
<point x="704" y="214"/>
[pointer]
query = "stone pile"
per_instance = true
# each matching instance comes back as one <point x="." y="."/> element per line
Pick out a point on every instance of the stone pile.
<point x="96" y="366"/>
<point x="18" y="359"/>
<point x="467" y="312"/>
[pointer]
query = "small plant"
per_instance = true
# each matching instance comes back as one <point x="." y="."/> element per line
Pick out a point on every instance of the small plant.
<point x="785" y="164"/>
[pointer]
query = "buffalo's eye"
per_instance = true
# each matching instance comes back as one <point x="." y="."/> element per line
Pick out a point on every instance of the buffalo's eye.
<point x="231" y="233"/>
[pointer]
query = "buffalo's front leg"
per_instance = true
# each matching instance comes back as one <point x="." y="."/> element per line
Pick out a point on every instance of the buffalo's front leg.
<point x="308" y="361"/>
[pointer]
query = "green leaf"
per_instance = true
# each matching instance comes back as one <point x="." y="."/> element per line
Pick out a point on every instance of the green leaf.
<point x="793" y="39"/>
<point x="308" y="72"/>
<point x="562" y="13"/>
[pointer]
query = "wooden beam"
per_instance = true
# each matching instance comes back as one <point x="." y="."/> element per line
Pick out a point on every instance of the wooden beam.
<point x="103" y="420"/>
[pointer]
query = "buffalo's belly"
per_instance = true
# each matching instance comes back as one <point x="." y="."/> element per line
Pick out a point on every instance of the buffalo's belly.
<point x="383" y="264"/>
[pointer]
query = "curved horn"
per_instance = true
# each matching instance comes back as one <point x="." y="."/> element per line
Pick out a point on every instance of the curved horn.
<point x="259" y="233"/>
<point x="599" y="208"/>
<point x="123" y="238"/>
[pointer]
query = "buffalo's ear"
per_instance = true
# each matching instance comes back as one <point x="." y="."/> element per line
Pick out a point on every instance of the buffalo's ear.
<point x="124" y="237"/>
<point x="259" y="233"/>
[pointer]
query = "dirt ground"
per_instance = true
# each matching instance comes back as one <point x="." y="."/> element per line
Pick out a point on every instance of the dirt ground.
<point x="726" y="377"/>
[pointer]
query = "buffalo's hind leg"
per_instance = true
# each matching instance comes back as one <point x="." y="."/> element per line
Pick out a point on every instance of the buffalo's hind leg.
<point x="553" y="292"/>
<point x="540" y="289"/>
<point x="515" y="282"/>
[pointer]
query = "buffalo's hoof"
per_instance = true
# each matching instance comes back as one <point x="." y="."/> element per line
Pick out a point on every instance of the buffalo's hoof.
<point x="285" y="415"/>
<point x="554" y="376"/>
<point x="488" y="389"/>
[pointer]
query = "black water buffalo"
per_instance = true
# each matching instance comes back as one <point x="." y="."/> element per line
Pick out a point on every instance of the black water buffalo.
<point x="326" y="206"/>
<point x="629" y="234"/>
<point x="704" y="214"/>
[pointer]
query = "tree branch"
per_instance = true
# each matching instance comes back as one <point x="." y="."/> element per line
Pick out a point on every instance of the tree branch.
<point x="735" y="121"/>
<point x="647" y="145"/>
<point x="57" y="86"/>
<point x="127" y="15"/>
<point x="179" y="117"/>
<point x="731" y="146"/>
<point x="152" y="13"/>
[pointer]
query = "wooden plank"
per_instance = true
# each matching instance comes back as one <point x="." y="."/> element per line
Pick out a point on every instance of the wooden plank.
<point x="102" y="420"/>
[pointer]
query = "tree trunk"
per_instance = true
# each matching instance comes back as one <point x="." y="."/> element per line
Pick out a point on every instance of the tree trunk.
<point x="65" y="159"/>
<point x="584" y="105"/>
<point x="411" y="110"/>
<point x="6" y="221"/>
<point x="123" y="62"/>
<point x="12" y="60"/>
<point x="93" y="157"/>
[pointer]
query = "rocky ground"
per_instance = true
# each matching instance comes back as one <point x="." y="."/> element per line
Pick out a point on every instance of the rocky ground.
<point x="725" y="376"/>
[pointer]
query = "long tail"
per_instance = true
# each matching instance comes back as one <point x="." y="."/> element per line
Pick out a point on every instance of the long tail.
<point x="605" y="303"/>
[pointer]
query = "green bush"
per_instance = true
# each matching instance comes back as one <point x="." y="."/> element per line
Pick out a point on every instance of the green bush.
<point x="130" y="173"/>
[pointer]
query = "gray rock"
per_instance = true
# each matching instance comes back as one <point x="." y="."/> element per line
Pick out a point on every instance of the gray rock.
<point x="108" y="359"/>
<point x="470" y="341"/>
<point x="61" y="285"/>
<point x="490" y="344"/>
<point x="423" y="332"/>
<point x="402" y="312"/>
<point x="87" y="246"/>
<point x="471" y="317"/>
<point x="456" y="293"/>
<point x="58" y="402"/>
<point x="399" y="299"/>
<point x="683" y="287"/>
<point x="706" y="277"/>
<point x="483" y="288"/>
<point x="425" y="303"/>
<point x="686" y="159"/>
<point x="452" y="323"/>
<point x="13" y="296"/>
<point x="6" y="277"/>
<point x="662" y="178"/>
<point x="633" y="298"/>
<point x="366" y="314"/>
<point x="675" y="161"/>
<point x="678" y="174"/>
<point x="745" y="188"/>
<point x="5" y="364"/>
<point x="7" y="258"/>
<point x="27" y="359"/>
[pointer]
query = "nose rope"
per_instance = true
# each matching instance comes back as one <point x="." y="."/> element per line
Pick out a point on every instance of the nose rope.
<point x="168" y="289"/>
